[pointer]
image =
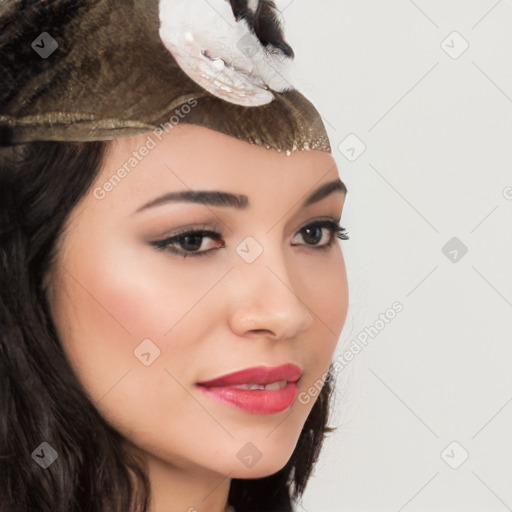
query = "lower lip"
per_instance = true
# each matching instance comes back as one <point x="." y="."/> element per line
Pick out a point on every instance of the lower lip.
<point x="256" y="401"/>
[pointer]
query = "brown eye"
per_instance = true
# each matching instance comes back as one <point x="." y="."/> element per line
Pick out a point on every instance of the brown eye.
<point x="190" y="243"/>
<point x="326" y="231"/>
<point x="313" y="235"/>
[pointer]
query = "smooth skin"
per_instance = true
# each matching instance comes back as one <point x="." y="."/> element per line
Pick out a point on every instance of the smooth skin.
<point x="209" y="315"/>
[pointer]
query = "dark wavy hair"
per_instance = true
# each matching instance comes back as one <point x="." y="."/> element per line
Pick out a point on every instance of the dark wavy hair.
<point x="41" y="398"/>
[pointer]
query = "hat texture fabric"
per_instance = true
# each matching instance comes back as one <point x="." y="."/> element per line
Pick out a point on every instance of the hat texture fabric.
<point x="83" y="70"/>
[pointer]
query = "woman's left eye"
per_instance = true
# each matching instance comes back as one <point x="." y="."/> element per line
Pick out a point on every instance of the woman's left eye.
<point x="322" y="231"/>
<point x="189" y="243"/>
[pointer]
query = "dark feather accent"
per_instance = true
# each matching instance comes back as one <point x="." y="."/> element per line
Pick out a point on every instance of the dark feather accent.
<point x="264" y="23"/>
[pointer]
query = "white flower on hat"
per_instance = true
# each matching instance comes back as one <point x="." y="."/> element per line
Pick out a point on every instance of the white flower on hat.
<point x="222" y="54"/>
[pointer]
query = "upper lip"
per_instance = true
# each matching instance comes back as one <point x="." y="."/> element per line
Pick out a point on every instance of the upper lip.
<point x="256" y="375"/>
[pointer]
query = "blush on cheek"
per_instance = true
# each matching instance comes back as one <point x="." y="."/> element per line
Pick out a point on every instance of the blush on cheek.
<point x="97" y="344"/>
<point x="129" y="311"/>
<point x="126" y="306"/>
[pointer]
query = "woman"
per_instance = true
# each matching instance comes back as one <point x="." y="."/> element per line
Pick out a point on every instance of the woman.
<point x="172" y="288"/>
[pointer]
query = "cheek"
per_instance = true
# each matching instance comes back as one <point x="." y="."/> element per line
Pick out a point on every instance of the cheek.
<point x="105" y="307"/>
<point x="120" y="290"/>
<point x="331" y="297"/>
<point x="105" y="304"/>
<point x="115" y="296"/>
<point x="326" y="295"/>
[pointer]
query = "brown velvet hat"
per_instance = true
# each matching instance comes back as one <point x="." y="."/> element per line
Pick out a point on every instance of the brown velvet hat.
<point x="82" y="70"/>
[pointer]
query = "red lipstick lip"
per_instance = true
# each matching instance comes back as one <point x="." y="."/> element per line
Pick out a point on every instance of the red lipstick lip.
<point x="256" y="375"/>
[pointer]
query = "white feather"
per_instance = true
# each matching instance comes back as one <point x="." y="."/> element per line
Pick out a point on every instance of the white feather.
<point x="253" y="4"/>
<point x="219" y="53"/>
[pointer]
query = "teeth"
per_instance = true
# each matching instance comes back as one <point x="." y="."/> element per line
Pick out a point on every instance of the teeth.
<point x="276" y="385"/>
<point x="268" y="387"/>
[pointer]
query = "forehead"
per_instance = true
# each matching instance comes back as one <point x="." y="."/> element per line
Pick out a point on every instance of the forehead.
<point x="194" y="157"/>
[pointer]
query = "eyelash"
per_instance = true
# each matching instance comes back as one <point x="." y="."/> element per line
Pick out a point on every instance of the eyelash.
<point x="166" y="244"/>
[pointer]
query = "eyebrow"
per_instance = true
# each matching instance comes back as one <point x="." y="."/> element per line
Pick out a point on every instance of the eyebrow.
<point x="238" y="201"/>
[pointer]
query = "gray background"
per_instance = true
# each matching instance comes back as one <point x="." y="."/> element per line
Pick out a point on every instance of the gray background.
<point x="437" y="165"/>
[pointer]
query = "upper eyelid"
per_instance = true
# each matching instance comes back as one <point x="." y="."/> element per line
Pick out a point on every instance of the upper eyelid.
<point x="212" y="229"/>
<point x="193" y="230"/>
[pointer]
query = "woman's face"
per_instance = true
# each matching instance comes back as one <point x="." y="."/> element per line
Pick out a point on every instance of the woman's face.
<point x="142" y="324"/>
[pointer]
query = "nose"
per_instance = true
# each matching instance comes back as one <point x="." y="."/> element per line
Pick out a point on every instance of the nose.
<point x="266" y="299"/>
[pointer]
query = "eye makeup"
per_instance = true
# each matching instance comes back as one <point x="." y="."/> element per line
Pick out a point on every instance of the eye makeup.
<point x="189" y="241"/>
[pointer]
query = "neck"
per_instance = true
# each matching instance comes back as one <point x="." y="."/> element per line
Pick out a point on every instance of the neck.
<point x="177" y="488"/>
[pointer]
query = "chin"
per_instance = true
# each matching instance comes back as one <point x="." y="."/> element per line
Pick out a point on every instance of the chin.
<point x="271" y="462"/>
<point x="260" y="470"/>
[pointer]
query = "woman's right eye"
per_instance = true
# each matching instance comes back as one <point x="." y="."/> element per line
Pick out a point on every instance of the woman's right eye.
<point x="190" y="243"/>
